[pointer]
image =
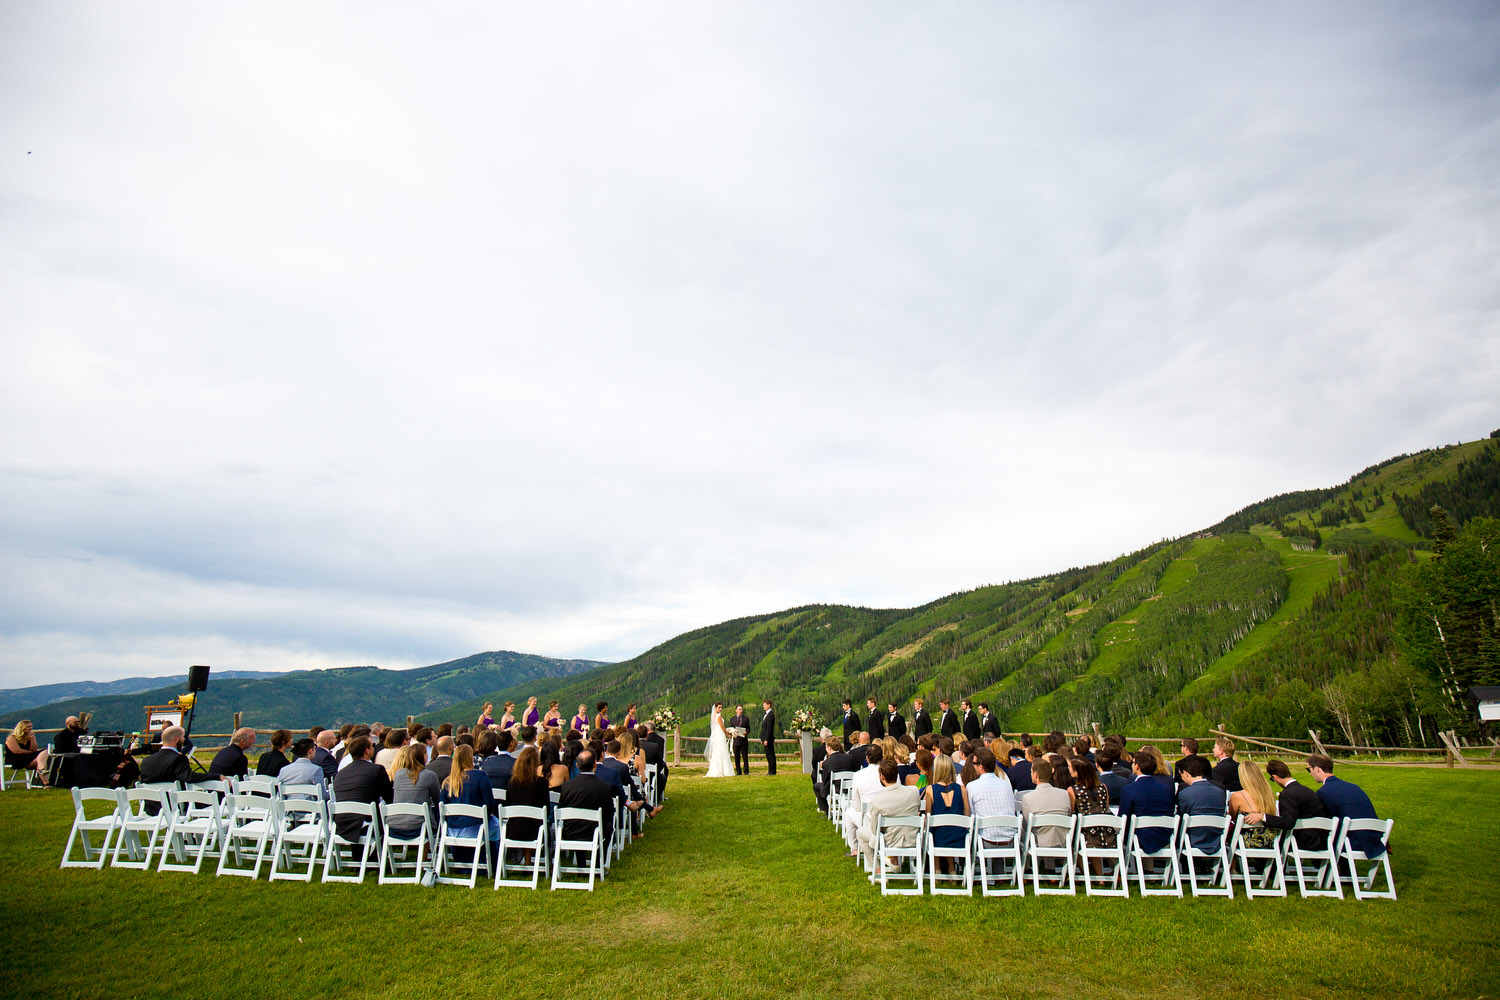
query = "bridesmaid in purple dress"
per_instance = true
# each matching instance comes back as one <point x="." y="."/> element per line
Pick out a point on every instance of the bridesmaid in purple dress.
<point x="486" y="717"/>
<point x="553" y="718"/>
<point x="509" y="718"/>
<point x="532" y="716"/>
<point x="601" y="721"/>
<point x="630" y="719"/>
<point x="580" y="721"/>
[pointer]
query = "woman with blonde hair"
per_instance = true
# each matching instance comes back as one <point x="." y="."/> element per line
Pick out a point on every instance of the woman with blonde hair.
<point x="413" y="783"/>
<point x="22" y="752"/>
<point x="1254" y="796"/>
<point x="631" y="754"/>
<point x="945" y="797"/>
<point x="468" y="785"/>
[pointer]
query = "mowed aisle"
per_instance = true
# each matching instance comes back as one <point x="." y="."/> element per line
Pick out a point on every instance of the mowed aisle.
<point x="741" y="888"/>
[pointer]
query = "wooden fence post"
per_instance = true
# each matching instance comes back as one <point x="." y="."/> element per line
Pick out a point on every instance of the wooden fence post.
<point x="1098" y="735"/>
<point x="1317" y="742"/>
<point x="409" y="720"/>
<point x="1450" y="739"/>
<point x="237" y="716"/>
<point x="677" y="745"/>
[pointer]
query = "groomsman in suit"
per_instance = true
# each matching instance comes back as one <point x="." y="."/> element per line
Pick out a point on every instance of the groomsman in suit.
<point x="1295" y="802"/>
<point x="876" y="726"/>
<point x="921" y="722"/>
<point x="740" y="745"/>
<point x="971" y="721"/>
<point x="948" y="724"/>
<point x="852" y="723"/>
<point x="989" y="726"/>
<point x="895" y="724"/>
<point x="768" y="737"/>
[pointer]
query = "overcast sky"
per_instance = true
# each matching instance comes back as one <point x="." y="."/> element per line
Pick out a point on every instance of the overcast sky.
<point x="345" y="333"/>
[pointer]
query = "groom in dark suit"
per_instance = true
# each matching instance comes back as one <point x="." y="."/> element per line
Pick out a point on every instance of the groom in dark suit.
<point x="740" y="745"/>
<point x="768" y="737"/>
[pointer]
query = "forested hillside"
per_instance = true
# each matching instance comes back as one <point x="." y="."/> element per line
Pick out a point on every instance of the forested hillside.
<point x="1285" y="616"/>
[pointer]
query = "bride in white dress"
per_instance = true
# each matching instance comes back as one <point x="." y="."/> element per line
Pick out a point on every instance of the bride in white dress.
<point x="719" y="763"/>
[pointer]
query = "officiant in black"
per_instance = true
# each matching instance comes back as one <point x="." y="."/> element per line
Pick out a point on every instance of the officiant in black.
<point x="740" y="743"/>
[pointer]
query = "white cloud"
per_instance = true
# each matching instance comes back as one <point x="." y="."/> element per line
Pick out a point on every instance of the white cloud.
<point x="345" y="336"/>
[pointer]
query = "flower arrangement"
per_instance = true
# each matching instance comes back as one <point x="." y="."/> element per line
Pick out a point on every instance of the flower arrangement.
<point x="806" y="719"/>
<point x="665" y="718"/>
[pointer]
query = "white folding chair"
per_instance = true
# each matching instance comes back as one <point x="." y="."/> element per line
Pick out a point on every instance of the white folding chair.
<point x="300" y="837"/>
<point x="106" y="823"/>
<point x="1111" y="860"/>
<point x="194" y="824"/>
<point x="1002" y="862"/>
<point x="887" y="854"/>
<point x="1272" y="883"/>
<point x="1321" y="865"/>
<point x="1363" y="887"/>
<point x="1140" y="861"/>
<point x="962" y="856"/>
<point x="25" y="777"/>
<point x="475" y="840"/>
<point x="536" y="845"/>
<point x="306" y="792"/>
<point x="139" y="820"/>
<point x="253" y="822"/>
<point x="400" y="849"/>
<point x="593" y="847"/>
<point x="1217" y="870"/>
<point x="838" y="798"/>
<point x="361" y="852"/>
<point x="258" y="784"/>
<point x="1067" y="826"/>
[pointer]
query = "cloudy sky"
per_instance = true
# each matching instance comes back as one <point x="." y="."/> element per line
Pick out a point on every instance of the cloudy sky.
<point x="343" y="333"/>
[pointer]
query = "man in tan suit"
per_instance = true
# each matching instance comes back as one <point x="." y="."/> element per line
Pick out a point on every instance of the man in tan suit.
<point x="893" y="799"/>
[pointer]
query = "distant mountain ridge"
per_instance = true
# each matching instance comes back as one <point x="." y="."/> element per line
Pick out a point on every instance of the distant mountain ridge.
<point x="45" y="694"/>
<point x="303" y="698"/>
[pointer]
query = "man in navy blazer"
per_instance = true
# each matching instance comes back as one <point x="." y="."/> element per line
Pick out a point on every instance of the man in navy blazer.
<point x="1296" y="801"/>
<point x="1145" y="796"/>
<point x="502" y="762"/>
<point x="1346" y="801"/>
<point x="1200" y="797"/>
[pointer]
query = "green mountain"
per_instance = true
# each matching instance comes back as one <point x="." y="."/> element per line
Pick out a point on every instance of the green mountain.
<point x="1280" y="618"/>
<point x="316" y="697"/>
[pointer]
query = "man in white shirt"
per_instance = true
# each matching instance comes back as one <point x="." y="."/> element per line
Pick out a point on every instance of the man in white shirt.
<point x="991" y="795"/>
<point x="866" y="782"/>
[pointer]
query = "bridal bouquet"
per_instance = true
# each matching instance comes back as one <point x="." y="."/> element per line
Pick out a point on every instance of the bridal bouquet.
<point x="665" y="718"/>
<point x="806" y="719"/>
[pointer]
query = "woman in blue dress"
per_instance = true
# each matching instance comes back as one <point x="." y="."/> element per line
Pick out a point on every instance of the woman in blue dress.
<point x="945" y="797"/>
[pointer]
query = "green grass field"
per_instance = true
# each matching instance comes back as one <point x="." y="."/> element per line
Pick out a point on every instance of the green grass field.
<point x="740" y="888"/>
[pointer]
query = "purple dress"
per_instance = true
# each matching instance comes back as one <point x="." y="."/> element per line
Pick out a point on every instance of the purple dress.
<point x="531" y="716"/>
<point x="581" y="723"/>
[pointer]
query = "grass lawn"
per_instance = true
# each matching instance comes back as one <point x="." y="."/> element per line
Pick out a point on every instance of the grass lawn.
<point x="740" y="889"/>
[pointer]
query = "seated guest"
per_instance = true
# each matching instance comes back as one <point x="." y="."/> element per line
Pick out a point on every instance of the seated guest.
<point x="835" y="762"/>
<point x="412" y="783"/>
<point x="441" y="764"/>
<point x="892" y="799"/>
<point x="273" y="760"/>
<point x="21" y="750"/>
<point x="1189" y="752"/>
<point x="1226" y="772"/>
<point x="468" y="785"/>
<point x="1161" y="773"/>
<point x="946" y="797"/>
<point x="526" y="787"/>
<point x="923" y="777"/>
<point x="323" y="755"/>
<point x="1199" y="797"/>
<point x="171" y="764"/>
<point x="655" y="749"/>
<point x="1062" y="772"/>
<point x="1145" y="796"/>
<point x="905" y="767"/>
<point x="1295" y="802"/>
<point x="866" y="783"/>
<point x="231" y="761"/>
<point x="616" y="772"/>
<point x="499" y="756"/>
<point x="587" y="791"/>
<point x="1346" y="801"/>
<point x="989" y="794"/>
<point x="1020" y="772"/>
<point x="395" y="739"/>
<point x="860" y="750"/>
<point x="1107" y="759"/>
<point x="1045" y="798"/>
<point x="1255" y="796"/>
<point x="302" y="770"/>
<point x="360" y="780"/>
<point x="556" y="768"/>
<point x="1089" y="798"/>
<point x="1084" y="747"/>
